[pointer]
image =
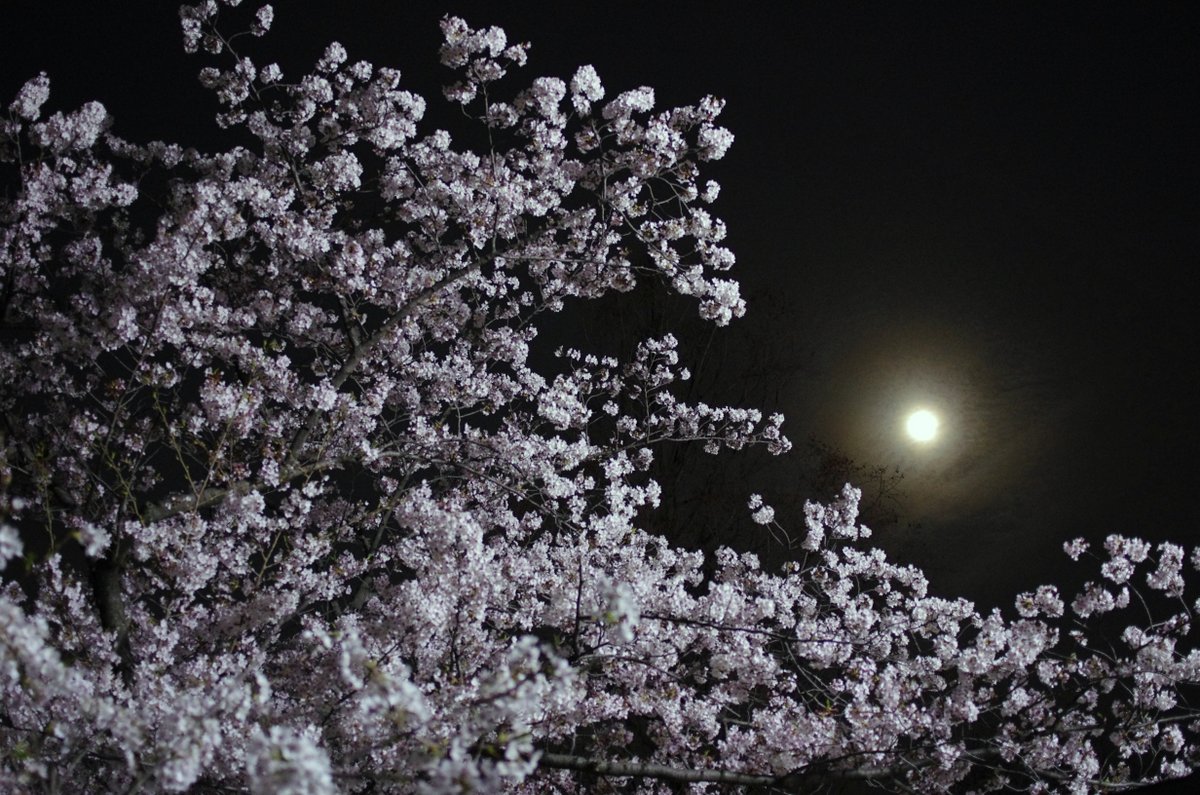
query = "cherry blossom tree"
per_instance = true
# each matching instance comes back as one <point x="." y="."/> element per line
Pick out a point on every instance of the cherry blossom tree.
<point x="289" y="504"/>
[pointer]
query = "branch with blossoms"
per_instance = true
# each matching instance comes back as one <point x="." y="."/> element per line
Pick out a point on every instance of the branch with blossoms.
<point x="1014" y="688"/>
<point x="289" y="500"/>
<point x="791" y="782"/>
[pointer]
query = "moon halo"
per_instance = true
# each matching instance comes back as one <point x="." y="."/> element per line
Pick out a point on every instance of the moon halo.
<point x="922" y="425"/>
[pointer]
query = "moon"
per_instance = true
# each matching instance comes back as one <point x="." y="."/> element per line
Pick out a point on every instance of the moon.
<point x="922" y="425"/>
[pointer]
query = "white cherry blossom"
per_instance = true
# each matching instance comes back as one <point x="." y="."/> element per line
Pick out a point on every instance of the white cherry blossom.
<point x="293" y="498"/>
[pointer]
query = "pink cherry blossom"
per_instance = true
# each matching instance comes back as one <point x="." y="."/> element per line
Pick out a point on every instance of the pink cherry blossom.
<point x="290" y="501"/>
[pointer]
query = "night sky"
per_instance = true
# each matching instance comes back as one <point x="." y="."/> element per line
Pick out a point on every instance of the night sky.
<point x="988" y="210"/>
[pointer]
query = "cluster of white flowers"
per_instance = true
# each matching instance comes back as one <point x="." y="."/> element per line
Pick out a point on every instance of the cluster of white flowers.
<point x="762" y="514"/>
<point x="31" y="97"/>
<point x="586" y="89"/>
<point x="285" y="761"/>
<point x="10" y="544"/>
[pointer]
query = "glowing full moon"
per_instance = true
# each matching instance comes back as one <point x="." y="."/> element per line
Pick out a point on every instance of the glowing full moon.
<point x="922" y="425"/>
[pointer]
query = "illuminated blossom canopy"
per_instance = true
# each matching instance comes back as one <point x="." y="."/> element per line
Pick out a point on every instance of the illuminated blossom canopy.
<point x="287" y="505"/>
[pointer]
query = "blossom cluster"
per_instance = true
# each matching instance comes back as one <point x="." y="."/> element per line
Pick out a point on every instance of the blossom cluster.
<point x="288" y="503"/>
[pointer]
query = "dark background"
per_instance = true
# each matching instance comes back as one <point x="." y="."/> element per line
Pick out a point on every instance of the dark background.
<point x="988" y="209"/>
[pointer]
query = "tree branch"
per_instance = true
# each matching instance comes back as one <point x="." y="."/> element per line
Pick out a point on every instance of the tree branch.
<point x="795" y="781"/>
